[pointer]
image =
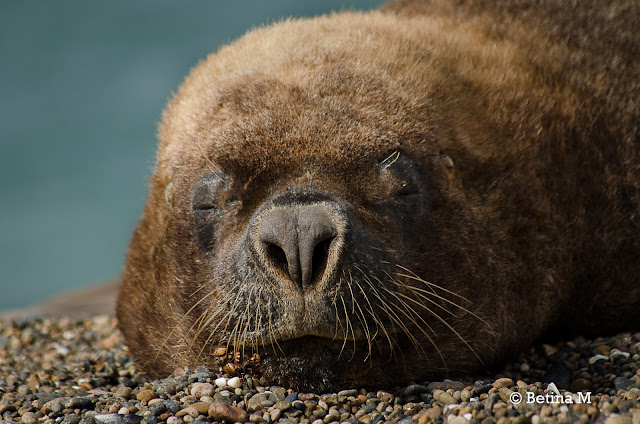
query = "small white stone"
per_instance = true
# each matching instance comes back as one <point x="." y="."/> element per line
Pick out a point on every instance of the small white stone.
<point x="553" y="389"/>
<point x="615" y="354"/>
<point x="123" y="411"/>
<point x="234" y="382"/>
<point x="596" y="358"/>
<point x="221" y="382"/>
<point x="172" y="420"/>
<point x="60" y="349"/>
<point x="238" y="391"/>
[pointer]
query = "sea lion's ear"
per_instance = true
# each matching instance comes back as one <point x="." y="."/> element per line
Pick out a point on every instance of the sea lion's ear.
<point x="446" y="161"/>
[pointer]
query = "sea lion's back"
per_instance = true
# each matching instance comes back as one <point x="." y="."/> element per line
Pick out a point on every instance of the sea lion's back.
<point x="600" y="43"/>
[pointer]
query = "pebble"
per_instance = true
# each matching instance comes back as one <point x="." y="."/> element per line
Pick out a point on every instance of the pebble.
<point x="617" y="419"/>
<point x="549" y="350"/>
<point x="193" y="412"/>
<point x="580" y="384"/>
<point x="616" y="354"/>
<point x="79" y="403"/>
<point x="201" y="407"/>
<point x="124" y="392"/>
<point x="220" y="411"/>
<point x="199" y="390"/>
<point x="116" y="419"/>
<point x="384" y="396"/>
<point x="621" y="383"/>
<point x="255" y="402"/>
<point x="145" y="395"/>
<point x="279" y="393"/>
<point x="505" y="394"/>
<point x="291" y="397"/>
<point x="351" y="392"/>
<point x="502" y="382"/>
<point x="256" y="417"/>
<point x="602" y="350"/>
<point x="29" y="418"/>
<point x="444" y="385"/>
<point x="70" y="419"/>
<point x="234" y="382"/>
<point x="221" y="382"/>
<point x="167" y="386"/>
<point x="282" y="405"/>
<point x="552" y="389"/>
<point x="416" y="389"/>
<point x="154" y="401"/>
<point x="596" y="358"/>
<point x="482" y="388"/>
<point x="443" y="397"/>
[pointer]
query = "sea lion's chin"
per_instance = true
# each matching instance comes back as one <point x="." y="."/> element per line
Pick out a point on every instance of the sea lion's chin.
<point x="311" y="363"/>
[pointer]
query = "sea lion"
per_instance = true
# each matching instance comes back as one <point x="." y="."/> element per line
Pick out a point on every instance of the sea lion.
<point x="366" y="199"/>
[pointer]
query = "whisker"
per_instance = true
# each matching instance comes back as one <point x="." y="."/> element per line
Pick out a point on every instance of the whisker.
<point x="395" y="318"/>
<point x="362" y="319"/>
<point x="226" y="319"/>
<point x="409" y="312"/>
<point x="424" y="294"/>
<point x="182" y="319"/>
<point x="446" y="324"/>
<point x="272" y="338"/>
<point x="346" y="334"/>
<point x="371" y="310"/>
<point x="413" y="276"/>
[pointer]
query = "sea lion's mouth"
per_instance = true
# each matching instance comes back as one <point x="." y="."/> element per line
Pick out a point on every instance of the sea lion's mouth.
<point x="266" y="339"/>
<point x="294" y="326"/>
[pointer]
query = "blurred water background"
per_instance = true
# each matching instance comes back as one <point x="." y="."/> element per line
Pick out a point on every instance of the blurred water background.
<point x="82" y="86"/>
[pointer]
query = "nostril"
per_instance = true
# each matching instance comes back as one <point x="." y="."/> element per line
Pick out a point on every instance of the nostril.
<point x="297" y="242"/>
<point x="278" y="257"/>
<point x="320" y="258"/>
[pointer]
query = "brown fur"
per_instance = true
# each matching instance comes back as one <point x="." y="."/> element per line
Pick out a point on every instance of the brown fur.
<point x="535" y="227"/>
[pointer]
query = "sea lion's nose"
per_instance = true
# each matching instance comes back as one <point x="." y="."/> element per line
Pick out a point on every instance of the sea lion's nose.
<point x="297" y="240"/>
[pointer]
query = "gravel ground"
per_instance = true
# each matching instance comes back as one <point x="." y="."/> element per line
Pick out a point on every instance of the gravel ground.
<point x="70" y="371"/>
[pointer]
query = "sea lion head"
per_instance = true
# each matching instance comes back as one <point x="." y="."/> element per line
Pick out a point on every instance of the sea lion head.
<point x="309" y="205"/>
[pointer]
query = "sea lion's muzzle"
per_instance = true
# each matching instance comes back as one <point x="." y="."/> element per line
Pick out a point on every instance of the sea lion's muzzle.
<point x="299" y="241"/>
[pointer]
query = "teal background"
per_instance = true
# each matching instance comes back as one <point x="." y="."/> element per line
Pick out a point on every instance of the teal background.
<point x="82" y="87"/>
